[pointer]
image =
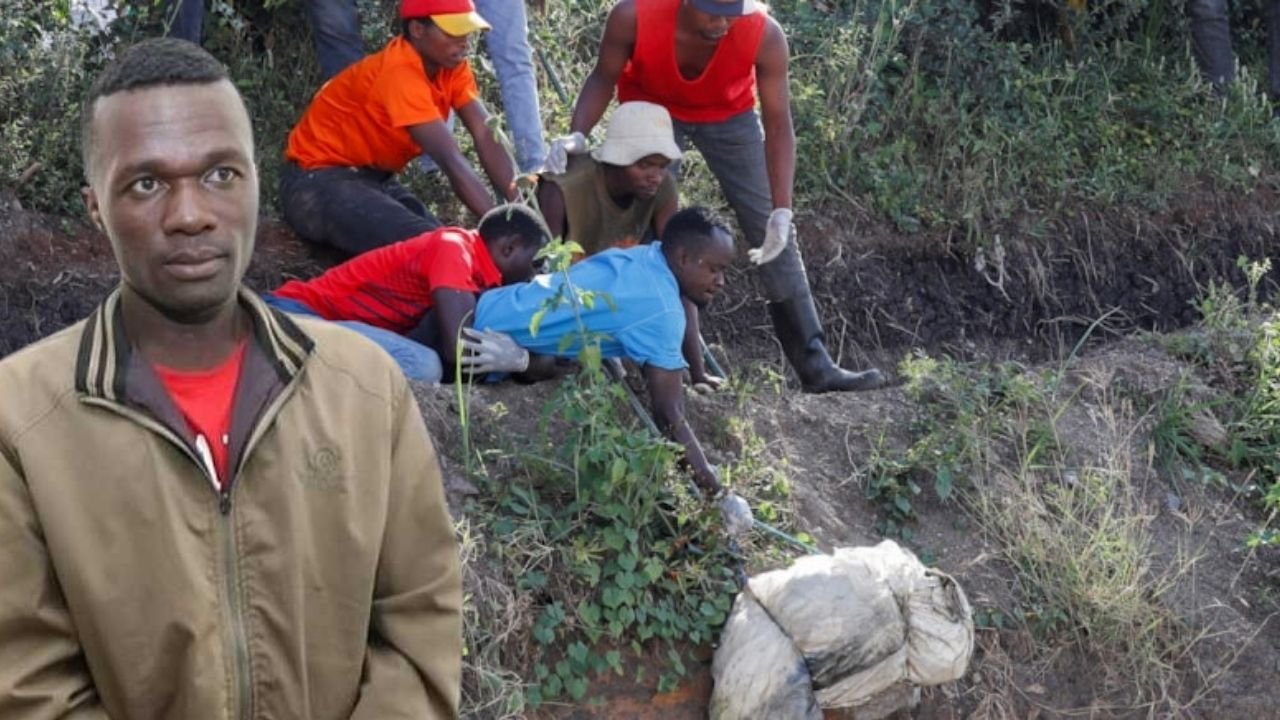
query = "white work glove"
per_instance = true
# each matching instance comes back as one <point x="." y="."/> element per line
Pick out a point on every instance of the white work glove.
<point x="561" y="148"/>
<point x="487" y="351"/>
<point x="736" y="513"/>
<point x="776" y="234"/>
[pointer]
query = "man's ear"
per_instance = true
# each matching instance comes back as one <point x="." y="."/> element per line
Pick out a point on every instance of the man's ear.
<point x="507" y="246"/>
<point x="91" y="205"/>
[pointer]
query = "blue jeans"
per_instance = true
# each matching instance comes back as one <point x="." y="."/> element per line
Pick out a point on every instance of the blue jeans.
<point x="418" y="361"/>
<point x="508" y="47"/>
<point x="1211" y="41"/>
<point x="734" y="151"/>
<point x="335" y="29"/>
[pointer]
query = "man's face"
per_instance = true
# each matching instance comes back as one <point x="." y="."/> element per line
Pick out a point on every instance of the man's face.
<point x="711" y="28"/>
<point x="438" y="47"/>
<point x="701" y="274"/>
<point x="645" y="176"/>
<point x="173" y="185"/>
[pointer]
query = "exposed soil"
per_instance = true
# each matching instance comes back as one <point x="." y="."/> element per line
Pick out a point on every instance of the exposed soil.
<point x="882" y="296"/>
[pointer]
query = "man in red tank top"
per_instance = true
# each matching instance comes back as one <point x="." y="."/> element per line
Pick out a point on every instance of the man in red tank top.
<point x="706" y="61"/>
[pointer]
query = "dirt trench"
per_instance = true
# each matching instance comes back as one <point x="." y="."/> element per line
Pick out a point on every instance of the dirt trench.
<point x="1028" y="293"/>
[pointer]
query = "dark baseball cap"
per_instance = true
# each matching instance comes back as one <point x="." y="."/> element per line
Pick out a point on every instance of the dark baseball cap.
<point x="725" y="7"/>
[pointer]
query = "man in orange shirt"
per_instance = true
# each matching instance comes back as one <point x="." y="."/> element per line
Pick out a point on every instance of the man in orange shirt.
<point x="338" y="184"/>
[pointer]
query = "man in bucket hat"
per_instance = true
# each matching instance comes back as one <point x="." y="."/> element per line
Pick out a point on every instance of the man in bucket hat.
<point x="706" y="61"/>
<point x="338" y="184"/>
<point x="622" y="194"/>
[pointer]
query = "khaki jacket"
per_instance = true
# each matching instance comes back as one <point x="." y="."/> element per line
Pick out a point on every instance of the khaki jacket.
<point x="324" y="584"/>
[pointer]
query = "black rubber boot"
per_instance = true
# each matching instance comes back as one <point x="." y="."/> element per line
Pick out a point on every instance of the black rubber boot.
<point x="795" y="321"/>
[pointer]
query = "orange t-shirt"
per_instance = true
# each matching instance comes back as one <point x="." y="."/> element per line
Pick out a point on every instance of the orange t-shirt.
<point x="360" y="117"/>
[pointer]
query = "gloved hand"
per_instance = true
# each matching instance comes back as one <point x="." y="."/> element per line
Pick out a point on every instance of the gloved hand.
<point x="486" y="351"/>
<point x="776" y="234"/>
<point x="736" y="513"/>
<point x="561" y="148"/>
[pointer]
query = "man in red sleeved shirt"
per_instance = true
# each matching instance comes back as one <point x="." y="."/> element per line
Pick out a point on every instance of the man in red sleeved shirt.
<point x="388" y="294"/>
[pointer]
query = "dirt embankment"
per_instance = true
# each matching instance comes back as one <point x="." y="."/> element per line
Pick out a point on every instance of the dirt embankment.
<point x="1029" y="292"/>
<point x="1029" y="295"/>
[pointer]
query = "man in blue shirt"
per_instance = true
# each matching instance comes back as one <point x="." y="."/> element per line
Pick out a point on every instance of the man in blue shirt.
<point x="638" y="314"/>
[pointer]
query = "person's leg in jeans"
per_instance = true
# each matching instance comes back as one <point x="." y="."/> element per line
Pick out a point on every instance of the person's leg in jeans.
<point x="508" y="47"/>
<point x="335" y="29"/>
<point x="1211" y="41"/>
<point x="354" y="210"/>
<point x="418" y="362"/>
<point x="184" y="19"/>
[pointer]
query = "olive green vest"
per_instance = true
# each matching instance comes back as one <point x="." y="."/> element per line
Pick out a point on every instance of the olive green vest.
<point x="593" y="219"/>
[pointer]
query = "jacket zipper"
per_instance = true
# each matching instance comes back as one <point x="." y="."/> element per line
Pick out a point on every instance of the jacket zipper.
<point x="203" y="458"/>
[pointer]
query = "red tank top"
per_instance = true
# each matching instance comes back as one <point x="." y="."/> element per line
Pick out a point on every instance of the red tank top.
<point x="727" y="85"/>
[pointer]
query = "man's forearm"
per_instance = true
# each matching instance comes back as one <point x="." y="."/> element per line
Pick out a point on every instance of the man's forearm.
<point x="780" y="160"/>
<point x="703" y="474"/>
<point x="467" y="186"/>
<point x="594" y="97"/>
<point x="497" y="164"/>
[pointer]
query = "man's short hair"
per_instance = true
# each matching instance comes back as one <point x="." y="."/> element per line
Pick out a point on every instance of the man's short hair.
<point x="693" y="229"/>
<point x="514" y="219"/>
<point x="150" y="63"/>
<point x="404" y="24"/>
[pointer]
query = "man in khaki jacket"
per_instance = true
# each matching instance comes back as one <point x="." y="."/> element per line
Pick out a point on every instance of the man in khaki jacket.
<point x="209" y="509"/>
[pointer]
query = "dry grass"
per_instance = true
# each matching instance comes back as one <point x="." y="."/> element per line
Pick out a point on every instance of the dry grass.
<point x="495" y="617"/>
<point x="1073" y="524"/>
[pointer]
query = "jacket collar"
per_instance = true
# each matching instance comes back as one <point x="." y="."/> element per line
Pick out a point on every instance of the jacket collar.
<point x="102" y="363"/>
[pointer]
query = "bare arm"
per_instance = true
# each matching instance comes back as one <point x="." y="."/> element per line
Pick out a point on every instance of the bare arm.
<point x="615" y="49"/>
<point x="551" y="203"/>
<point x="493" y="157"/>
<point x="773" y="84"/>
<point x="691" y="347"/>
<point x="666" y="394"/>
<point x="453" y="311"/>
<point x="437" y="142"/>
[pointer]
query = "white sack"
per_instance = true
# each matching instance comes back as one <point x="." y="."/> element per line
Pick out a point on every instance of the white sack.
<point x="758" y="672"/>
<point x="870" y="625"/>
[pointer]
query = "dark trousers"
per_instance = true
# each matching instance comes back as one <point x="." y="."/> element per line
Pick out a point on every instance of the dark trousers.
<point x="1211" y="40"/>
<point x="734" y="151"/>
<point x="335" y="28"/>
<point x="352" y="209"/>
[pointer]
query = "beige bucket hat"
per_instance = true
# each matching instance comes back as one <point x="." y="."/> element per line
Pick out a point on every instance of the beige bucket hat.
<point x="637" y="129"/>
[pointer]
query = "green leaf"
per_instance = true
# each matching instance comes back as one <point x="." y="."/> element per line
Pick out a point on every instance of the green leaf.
<point x="552" y="686"/>
<point x="578" y="652"/>
<point x="535" y="322"/>
<point x="617" y="472"/>
<point x="577" y="687"/>
<point x="589" y="613"/>
<point x="627" y="562"/>
<point x="902" y="503"/>
<point x="942" y="482"/>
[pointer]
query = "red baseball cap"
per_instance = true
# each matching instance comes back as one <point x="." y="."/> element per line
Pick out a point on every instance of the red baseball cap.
<point x="455" y="17"/>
